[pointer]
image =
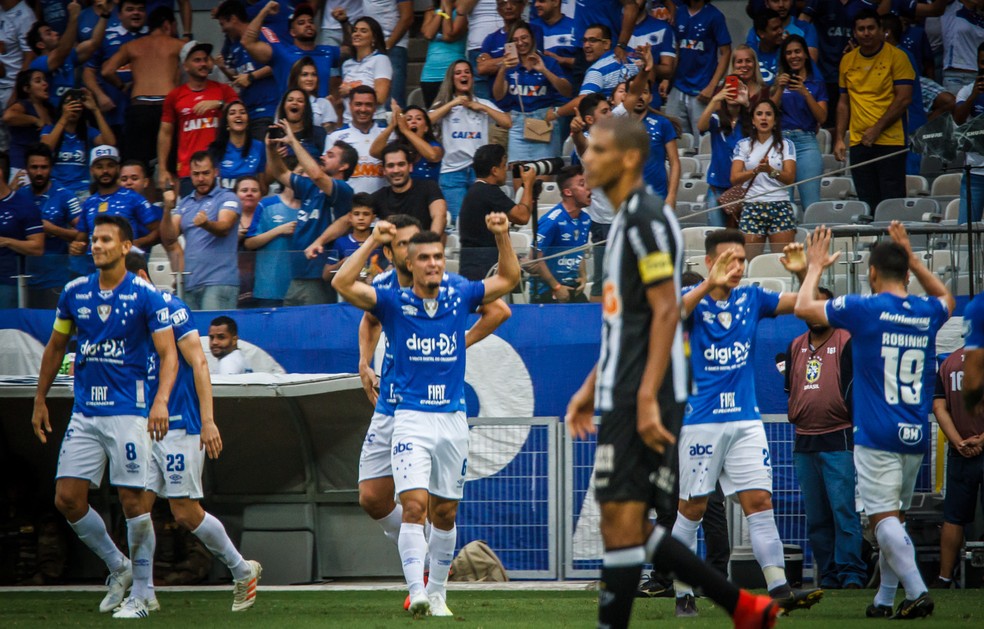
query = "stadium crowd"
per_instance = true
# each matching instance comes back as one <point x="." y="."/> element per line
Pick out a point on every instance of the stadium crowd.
<point x="110" y="104"/>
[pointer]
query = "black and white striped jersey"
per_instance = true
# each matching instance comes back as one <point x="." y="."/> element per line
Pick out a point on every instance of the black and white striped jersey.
<point x="644" y="248"/>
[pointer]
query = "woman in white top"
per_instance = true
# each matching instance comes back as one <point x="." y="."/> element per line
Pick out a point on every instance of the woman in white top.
<point x="369" y="65"/>
<point x="465" y="122"/>
<point x="304" y="76"/>
<point x="764" y="161"/>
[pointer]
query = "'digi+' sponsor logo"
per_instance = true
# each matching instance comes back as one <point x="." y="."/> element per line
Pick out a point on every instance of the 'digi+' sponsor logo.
<point x="737" y="353"/>
<point x="444" y="344"/>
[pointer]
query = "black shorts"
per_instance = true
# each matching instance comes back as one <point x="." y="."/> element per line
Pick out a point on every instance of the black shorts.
<point x="964" y="484"/>
<point x="627" y="470"/>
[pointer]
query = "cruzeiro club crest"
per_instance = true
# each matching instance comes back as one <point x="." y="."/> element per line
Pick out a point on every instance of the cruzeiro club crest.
<point x="813" y="370"/>
<point x="430" y="307"/>
<point x="724" y="318"/>
<point x="104" y="310"/>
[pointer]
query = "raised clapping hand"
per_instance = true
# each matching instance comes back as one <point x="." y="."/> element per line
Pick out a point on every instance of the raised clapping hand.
<point x="900" y="237"/>
<point x="818" y="248"/>
<point x="724" y="269"/>
<point x="272" y="7"/>
<point x="384" y="232"/>
<point x="794" y="258"/>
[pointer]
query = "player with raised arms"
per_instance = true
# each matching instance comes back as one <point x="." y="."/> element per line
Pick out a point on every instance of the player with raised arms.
<point x="430" y="430"/>
<point x="894" y="337"/>
<point x="115" y="316"/>
<point x="640" y="387"/>
<point x="723" y="439"/>
<point x="179" y="457"/>
<point x="376" y="488"/>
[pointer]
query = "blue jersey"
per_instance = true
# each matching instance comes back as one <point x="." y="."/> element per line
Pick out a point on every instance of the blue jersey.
<point x="768" y="65"/>
<point x="834" y="22"/>
<point x="494" y="43"/>
<point x="272" y="269"/>
<point x="59" y="207"/>
<point x="233" y="165"/>
<point x="424" y="169"/>
<point x="61" y="79"/>
<point x="973" y="326"/>
<point x="658" y="34"/>
<point x="124" y="202"/>
<point x="427" y="337"/>
<point x="559" y="37"/>
<point x="262" y="96"/>
<point x="19" y="218"/>
<point x="894" y="344"/>
<point x="347" y="245"/>
<point x="386" y="402"/>
<point x="606" y="74"/>
<point x="558" y="231"/>
<point x="71" y="166"/>
<point x="182" y="407"/>
<point x="317" y="212"/>
<point x="721" y="337"/>
<point x="54" y="13"/>
<point x="114" y="329"/>
<point x="805" y="30"/>
<point x="279" y="22"/>
<point x="532" y="87"/>
<point x="722" y="148"/>
<point x="916" y="41"/>
<point x="699" y="36"/>
<point x="660" y="131"/>
<point x="588" y="12"/>
<point x="285" y="55"/>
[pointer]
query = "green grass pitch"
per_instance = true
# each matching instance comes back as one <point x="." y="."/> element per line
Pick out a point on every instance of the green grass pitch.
<point x="478" y="609"/>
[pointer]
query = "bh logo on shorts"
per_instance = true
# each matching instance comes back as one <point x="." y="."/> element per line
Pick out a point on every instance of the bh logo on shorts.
<point x="403" y="446"/>
<point x="700" y="449"/>
<point x="910" y="434"/>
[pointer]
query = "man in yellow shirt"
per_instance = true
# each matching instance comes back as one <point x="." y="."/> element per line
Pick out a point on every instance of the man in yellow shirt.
<point x="877" y="79"/>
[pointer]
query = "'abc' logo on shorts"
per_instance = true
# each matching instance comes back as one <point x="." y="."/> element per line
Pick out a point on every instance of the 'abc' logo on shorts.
<point x="701" y="450"/>
<point x="910" y="434"/>
<point x="403" y="446"/>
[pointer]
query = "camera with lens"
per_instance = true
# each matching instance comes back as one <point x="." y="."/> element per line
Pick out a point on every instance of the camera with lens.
<point x="547" y="166"/>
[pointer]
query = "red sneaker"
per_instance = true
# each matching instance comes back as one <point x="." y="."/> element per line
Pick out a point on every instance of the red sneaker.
<point x="755" y="612"/>
<point x="406" y="602"/>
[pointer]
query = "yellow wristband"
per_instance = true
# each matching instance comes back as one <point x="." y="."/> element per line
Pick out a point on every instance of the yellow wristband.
<point x="442" y="14"/>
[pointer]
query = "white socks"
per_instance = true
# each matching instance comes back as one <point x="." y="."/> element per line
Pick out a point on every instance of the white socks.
<point x="441" y="552"/>
<point x="898" y="551"/>
<point x="885" y="596"/>
<point x="217" y="541"/>
<point x="92" y="531"/>
<point x="413" y="549"/>
<point x="685" y="531"/>
<point x="767" y="547"/>
<point x="140" y="536"/>
<point x="391" y="524"/>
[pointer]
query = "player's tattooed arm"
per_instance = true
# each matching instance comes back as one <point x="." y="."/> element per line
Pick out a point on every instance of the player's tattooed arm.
<point x="51" y="360"/>
<point x="808" y="306"/>
<point x="493" y="314"/>
<point x="369" y="331"/>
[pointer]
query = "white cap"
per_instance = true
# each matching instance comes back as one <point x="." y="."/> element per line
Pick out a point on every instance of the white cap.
<point x="104" y="151"/>
<point x="191" y="47"/>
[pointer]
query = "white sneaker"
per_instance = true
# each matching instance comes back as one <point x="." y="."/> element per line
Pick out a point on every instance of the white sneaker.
<point x="153" y="605"/>
<point x="420" y="605"/>
<point x="244" y="590"/>
<point x="132" y="608"/>
<point x="438" y="605"/>
<point x="118" y="583"/>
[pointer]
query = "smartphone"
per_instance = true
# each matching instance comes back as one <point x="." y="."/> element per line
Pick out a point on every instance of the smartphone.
<point x="510" y="49"/>
<point x="74" y="94"/>
<point x="732" y="82"/>
<point x="275" y="133"/>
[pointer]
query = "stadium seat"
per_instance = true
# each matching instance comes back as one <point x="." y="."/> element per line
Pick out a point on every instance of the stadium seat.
<point x="836" y="188"/>
<point x="690" y="214"/>
<point x="281" y="537"/>
<point x="776" y="284"/>
<point x="907" y="210"/>
<point x="451" y="265"/>
<point x="686" y="143"/>
<point x="693" y="238"/>
<point x="568" y="146"/>
<point x="948" y="184"/>
<point x="690" y="168"/>
<point x="952" y="212"/>
<point x="521" y="243"/>
<point x="550" y="194"/>
<point x="416" y="97"/>
<point x="916" y="186"/>
<point x="696" y="264"/>
<point x="943" y="200"/>
<point x="692" y="190"/>
<point x="823" y="139"/>
<point x="766" y="265"/>
<point x="705" y="144"/>
<point x="451" y="245"/>
<point x="160" y="273"/>
<point x="834" y="212"/>
<point x="705" y="162"/>
<point x="832" y="165"/>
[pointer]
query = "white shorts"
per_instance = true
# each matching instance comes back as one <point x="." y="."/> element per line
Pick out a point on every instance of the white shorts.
<point x="178" y="463"/>
<point x="376" y="460"/>
<point x="886" y="480"/>
<point x="430" y="451"/>
<point x="734" y="453"/>
<point x="89" y="442"/>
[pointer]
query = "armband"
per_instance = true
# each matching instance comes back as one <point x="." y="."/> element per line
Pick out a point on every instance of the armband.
<point x="62" y="326"/>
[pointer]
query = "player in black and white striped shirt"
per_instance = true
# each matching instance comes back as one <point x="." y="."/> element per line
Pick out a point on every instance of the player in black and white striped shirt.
<point x="640" y="387"/>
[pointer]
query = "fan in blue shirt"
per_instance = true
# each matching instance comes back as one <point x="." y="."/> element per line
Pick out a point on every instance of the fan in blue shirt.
<point x="699" y="37"/>
<point x="973" y="333"/>
<point x="59" y="208"/>
<point x="270" y="234"/>
<point x="258" y="88"/>
<point x="58" y="56"/>
<point x="21" y="233"/>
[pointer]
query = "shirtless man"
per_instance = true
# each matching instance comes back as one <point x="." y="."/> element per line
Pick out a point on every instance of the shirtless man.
<point x="156" y="71"/>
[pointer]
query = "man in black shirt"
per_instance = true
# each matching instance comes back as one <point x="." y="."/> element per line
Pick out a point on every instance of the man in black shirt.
<point x="421" y="198"/>
<point x="478" y="251"/>
<point x="640" y="386"/>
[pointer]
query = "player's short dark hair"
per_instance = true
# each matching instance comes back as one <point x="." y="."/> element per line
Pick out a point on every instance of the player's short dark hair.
<point x="5" y="165"/>
<point x="139" y="163"/>
<point x="606" y="33"/>
<point x="721" y="237"/>
<point x="400" y="221"/>
<point x="691" y="278"/>
<point x="890" y="260"/>
<point x="228" y="322"/>
<point x="200" y="156"/>
<point x="350" y="158"/>
<point x="159" y="17"/>
<point x="589" y="103"/>
<point x="363" y="89"/>
<point x="396" y="146"/>
<point x="629" y="134"/>
<point x="34" y="36"/>
<point x="425" y="238"/>
<point x="826" y="292"/>
<point x="243" y="178"/>
<point x="567" y="174"/>
<point x="865" y="14"/>
<point x="980" y="48"/>
<point x="291" y="162"/>
<point x="892" y="24"/>
<point x="39" y="150"/>
<point x="126" y="231"/>
<point x="761" y="21"/>
<point x="136" y="262"/>
<point x="486" y="158"/>
<point x="232" y="9"/>
<point x="141" y="3"/>
<point x="363" y="199"/>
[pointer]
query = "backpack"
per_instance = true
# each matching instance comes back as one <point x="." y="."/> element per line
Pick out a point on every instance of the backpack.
<point x="477" y="562"/>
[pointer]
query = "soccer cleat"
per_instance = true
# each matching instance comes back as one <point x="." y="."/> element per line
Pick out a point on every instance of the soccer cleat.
<point x="919" y="608"/>
<point x="878" y="611"/>
<point x="655" y="587"/>
<point x="438" y="605"/>
<point x="244" y="590"/>
<point x="755" y="612"/>
<point x="420" y="605"/>
<point x="406" y="601"/>
<point x="942" y="584"/>
<point x="798" y="599"/>
<point x="152" y="604"/>
<point x="686" y="606"/>
<point x="131" y="608"/>
<point x="118" y="583"/>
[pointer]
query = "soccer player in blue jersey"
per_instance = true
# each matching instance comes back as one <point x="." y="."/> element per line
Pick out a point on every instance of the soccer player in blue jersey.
<point x="723" y="438"/>
<point x="973" y="379"/>
<point x="376" y="487"/>
<point x="178" y="458"/>
<point x="894" y="338"/>
<point x="117" y="319"/>
<point x="430" y="431"/>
